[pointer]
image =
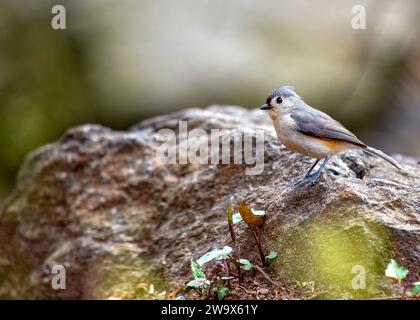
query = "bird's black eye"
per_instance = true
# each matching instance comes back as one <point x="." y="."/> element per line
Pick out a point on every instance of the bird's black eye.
<point x="279" y="100"/>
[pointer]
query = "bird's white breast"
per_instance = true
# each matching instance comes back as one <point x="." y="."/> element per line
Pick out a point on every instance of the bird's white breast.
<point x="294" y="140"/>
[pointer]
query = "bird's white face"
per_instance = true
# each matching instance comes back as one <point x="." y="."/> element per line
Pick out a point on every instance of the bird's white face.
<point x="279" y="104"/>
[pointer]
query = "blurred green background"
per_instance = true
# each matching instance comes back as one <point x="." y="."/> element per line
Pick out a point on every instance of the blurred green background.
<point x="119" y="62"/>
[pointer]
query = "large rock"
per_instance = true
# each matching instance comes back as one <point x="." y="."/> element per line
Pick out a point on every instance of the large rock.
<point x="101" y="204"/>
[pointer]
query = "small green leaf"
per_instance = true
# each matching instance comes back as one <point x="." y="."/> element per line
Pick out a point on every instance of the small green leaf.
<point x="196" y="270"/>
<point x="246" y="264"/>
<point x="395" y="271"/>
<point x="271" y="256"/>
<point x="416" y="288"/>
<point x="226" y="278"/>
<point x="223" y="292"/>
<point x="215" y="254"/>
<point x="236" y="218"/>
<point x="198" y="283"/>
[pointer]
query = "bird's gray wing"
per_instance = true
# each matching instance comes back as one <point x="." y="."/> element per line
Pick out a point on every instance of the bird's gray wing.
<point x="316" y="123"/>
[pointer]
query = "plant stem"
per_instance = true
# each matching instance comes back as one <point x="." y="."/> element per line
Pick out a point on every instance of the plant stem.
<point x="257" y="237"/>
<point x="238" y="267"/>
<point x="236" y="250"/>
<point x="227" y="270"/>
<point x="232" y="232"/>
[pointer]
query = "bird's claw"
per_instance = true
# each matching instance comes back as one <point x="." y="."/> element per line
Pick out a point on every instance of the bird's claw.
<point x="312" y="182"/>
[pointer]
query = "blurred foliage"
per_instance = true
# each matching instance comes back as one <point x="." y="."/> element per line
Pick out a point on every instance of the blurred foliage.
<point x="125" y="278"/>
<point x="121" y="61"/>
<point x="43" y="87"/>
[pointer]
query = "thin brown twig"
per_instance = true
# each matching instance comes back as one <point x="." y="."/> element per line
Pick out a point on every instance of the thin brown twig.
<point x="266" y="276"/>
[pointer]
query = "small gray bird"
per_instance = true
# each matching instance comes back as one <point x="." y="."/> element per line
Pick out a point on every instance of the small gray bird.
<point x="311" y="132"/>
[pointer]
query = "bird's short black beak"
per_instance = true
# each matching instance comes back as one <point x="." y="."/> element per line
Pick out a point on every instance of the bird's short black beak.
<point x="265" y="106"/>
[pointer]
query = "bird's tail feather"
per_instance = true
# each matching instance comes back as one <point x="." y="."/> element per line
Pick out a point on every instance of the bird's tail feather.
<point x="382" y="155"/>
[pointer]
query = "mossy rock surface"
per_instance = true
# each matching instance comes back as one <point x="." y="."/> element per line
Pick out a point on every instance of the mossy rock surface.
<point x="99" y="203"/>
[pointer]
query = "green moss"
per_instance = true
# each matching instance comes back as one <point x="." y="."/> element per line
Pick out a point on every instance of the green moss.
<point x="330" y="250"/>
<point x="127" y="278"/>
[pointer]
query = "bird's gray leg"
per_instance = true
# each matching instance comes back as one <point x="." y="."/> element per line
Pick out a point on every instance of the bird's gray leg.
<point x="318" y="173"/>
<point x="308" y="174"/>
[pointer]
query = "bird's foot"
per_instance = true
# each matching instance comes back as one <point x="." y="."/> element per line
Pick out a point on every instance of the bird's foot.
<point x="315" y="177"/>
<point x="304" y="180"/>
<point x="314" y="180"/>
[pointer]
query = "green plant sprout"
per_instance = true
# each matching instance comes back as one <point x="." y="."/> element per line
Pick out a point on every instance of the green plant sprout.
<point x="200" y="281"/>
<point x="254" y="220"/>
<point x="217" y="285"/>
<point x="399" y="274"/>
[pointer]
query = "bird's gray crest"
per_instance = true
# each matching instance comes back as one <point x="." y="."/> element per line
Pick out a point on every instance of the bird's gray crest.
<point x="285" y="91"/>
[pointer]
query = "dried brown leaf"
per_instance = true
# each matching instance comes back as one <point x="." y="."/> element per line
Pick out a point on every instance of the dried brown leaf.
<point x="250" y="219"/>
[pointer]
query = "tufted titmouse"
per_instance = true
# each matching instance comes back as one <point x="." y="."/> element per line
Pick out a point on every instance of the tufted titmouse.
<point x="311" y="132"/>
